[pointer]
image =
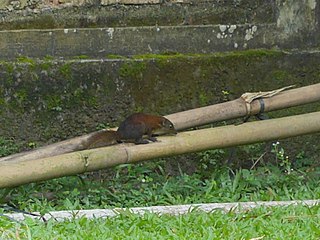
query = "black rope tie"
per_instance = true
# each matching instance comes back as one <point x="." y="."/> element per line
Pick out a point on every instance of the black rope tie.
<point x="262" y="106"/>
<point x="260" y="115"/>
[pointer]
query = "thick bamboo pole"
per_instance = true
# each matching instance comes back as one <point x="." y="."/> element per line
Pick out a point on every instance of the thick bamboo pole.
<point x="18" y="173"/>
<point x="237" y="108"/>
<point x="191" y="118"/>
<point x="66" y="146"/>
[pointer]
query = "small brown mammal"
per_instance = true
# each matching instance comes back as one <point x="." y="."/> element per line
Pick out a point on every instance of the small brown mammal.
<point x="133" y="129"/>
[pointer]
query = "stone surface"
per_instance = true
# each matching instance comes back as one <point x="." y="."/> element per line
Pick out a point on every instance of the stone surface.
<point x="297" y="17"/>
<point x="158" y="27"/>
<point x="4" y="4"/>
<point x="172" y="210"/>
<point x="123" y="15"/>
<point x="101" y="42"/>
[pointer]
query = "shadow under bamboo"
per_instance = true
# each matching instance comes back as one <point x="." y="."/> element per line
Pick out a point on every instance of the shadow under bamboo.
<point x="18" y="173"/>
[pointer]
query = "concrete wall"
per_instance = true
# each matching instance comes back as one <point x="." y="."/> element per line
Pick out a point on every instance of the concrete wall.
<point x="98" y="28"/>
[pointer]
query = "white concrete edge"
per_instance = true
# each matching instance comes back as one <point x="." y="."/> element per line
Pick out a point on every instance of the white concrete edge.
<point x="172" y="210"/>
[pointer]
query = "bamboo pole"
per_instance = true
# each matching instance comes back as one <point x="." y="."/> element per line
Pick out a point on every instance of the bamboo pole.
<point x="237" y="108"/>
<point x="17" y="173"/>
<point x="191" y="118"/>
<point x="66" y="146"/>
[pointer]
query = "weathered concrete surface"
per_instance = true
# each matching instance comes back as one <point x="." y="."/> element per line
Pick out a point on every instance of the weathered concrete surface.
<point x="121" y="29"/>
<point x="124" y="15"/>
<point x="172" y="210"/>
<point x="131" y="41"/>
<point x="295" y="16"/>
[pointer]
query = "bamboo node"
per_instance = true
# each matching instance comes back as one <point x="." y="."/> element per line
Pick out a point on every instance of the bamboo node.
<point x="85" y="159"/>
<point x="128" y="155"/>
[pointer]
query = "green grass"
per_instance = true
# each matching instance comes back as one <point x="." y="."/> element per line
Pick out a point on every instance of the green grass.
<point x="153" y="183"/>
<point x="148" y="184"/>
<point x="7" y="147"/>
<point x="292" y="222"/>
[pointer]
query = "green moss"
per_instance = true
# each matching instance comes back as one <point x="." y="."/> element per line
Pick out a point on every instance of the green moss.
<point x="132" y="69"/>
<point x="48" y="58"/>
<point x="21" y="95"/>
<point x="159" y="56"/>
<point x="9" y="66"/>
<point x="29" y="61"/>
<point x="65" y="70"/>
<point x="92" y="101"/>
<point x="203" y="99"/>
<point x="54" y="102"/>
<point x="165" y="58"/>
<point x="23" y="59"/>
<point x="45" y="21"/>
<point x="7" y="147"/>
<point x="114" y="56"/>
<point x="138" y="109"/>
<point x="45" y="65"/>
<point x="251" y="53"/>
<point x="81" y="57"/>
<point x="2" y="100"/>
<point x="248" y="53"/>
<point x="9" y="70"/>
<point x="280" y="75"/>
<point x="2" y="103"/>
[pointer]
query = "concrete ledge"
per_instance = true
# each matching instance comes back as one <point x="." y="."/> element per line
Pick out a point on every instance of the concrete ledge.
<point x="172" y="210"/>
<point x="100" y="42"/>
<point x="124" y="13"/>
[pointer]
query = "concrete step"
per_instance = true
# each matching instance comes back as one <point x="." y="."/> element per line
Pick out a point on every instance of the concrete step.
<point x="133" y="13"/>
<point x="101" y="42"/>
<point x="157" y="27"/>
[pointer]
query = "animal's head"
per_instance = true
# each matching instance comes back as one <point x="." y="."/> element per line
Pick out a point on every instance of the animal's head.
<point x="165" y="127"/>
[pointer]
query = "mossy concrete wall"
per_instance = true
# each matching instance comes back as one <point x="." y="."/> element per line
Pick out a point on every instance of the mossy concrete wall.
<point x="49" y="100"/>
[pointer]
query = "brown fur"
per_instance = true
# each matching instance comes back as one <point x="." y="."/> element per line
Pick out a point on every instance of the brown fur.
<point x="133" y="129"/>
